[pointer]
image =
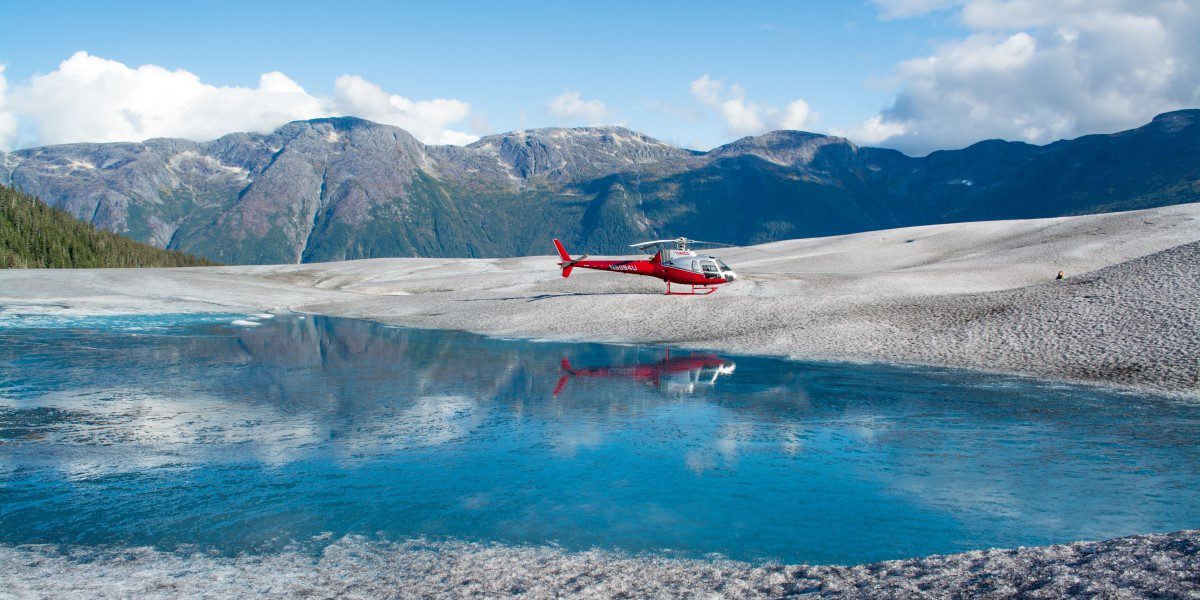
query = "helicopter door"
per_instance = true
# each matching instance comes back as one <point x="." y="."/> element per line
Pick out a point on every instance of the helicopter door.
<point x="709" y="268"/>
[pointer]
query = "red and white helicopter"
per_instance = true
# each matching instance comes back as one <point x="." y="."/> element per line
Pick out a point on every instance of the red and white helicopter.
<point x="673" y="262"/>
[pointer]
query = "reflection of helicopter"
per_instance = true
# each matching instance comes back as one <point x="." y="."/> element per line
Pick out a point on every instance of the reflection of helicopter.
<point x="673" y="265"/>
<point x="679" y="374"/>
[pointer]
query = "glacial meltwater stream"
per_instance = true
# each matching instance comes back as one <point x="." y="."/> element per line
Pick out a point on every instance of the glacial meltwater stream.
<point x="191" y="431"/>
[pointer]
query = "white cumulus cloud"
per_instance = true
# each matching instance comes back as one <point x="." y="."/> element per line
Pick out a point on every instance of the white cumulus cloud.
<point x="570" y="107"/>
<point x="93" y="99"/>
<point x="874" y="130"/>
<point x="796" y="115"/>
<point x="1041" y="71"/>
<point x="426" y="119"/>
<point x="744" y="117"/>
<point x="8" y="121"/>
<point x="99" y="100"/>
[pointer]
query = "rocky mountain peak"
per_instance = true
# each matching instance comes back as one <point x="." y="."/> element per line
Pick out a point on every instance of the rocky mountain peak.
<point x="349" y="131"/>
<point x="785" y="148"/>
<point x="564" y="153"/>
<point x="1176" y="120"/>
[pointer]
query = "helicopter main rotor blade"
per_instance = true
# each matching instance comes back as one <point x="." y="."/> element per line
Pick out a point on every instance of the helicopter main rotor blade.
<point x="727" y="245"/>
<point x="712" y="243"/>
<point x="641" y="245"/>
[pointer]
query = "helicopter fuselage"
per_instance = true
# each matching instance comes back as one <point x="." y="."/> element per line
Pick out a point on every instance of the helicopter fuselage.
<point x="683" y="267"/>
<point x="688" y="268"/>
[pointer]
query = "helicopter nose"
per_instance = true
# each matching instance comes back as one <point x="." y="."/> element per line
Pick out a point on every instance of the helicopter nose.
<point x="730" y="275"/>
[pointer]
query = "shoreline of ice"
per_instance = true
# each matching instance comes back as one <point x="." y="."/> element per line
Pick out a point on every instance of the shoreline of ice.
<point x="1160" y="565"/>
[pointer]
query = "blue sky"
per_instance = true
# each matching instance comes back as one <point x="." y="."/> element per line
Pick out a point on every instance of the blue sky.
<point x="632" y="63"/>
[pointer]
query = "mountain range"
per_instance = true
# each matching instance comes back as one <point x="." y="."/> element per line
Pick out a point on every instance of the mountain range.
<point x="345" y="188"/>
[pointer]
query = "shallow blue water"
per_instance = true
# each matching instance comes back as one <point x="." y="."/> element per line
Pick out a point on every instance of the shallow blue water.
<point x="179" y="430"/>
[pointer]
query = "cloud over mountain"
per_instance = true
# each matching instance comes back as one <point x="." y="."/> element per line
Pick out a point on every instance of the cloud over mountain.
<point x="1040" y="71"/>
<point x="745" y="117"/>
<point x="428" y="120"/>
<point x="89" y="98"/>
<point x="8" y="121"/>
<point x="571" y="108"/>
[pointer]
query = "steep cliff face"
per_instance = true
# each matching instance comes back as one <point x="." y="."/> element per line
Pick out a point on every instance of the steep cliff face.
<point x="343" y="188"/>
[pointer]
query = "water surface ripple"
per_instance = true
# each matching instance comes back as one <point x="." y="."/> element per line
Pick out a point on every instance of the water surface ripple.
<point x="180" y="431"/>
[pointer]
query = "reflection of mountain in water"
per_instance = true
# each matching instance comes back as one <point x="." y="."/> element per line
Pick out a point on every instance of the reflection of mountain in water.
<point x="348" y="426"/>
<point x="358" y="384"/>
<point x="296" y="384"/>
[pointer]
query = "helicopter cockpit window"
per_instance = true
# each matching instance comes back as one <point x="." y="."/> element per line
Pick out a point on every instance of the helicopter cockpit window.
<point x="724" y="267"/>
<point x="709" y="267"/>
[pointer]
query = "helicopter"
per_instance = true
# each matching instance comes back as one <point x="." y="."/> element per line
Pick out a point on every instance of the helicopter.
<point x="673" y="261"/>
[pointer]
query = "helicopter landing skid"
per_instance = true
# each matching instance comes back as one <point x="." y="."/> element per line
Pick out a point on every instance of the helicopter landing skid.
<point x="697" y="290"/>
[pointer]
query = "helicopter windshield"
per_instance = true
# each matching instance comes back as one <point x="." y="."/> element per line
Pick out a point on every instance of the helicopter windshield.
<point x="723" y="266"/>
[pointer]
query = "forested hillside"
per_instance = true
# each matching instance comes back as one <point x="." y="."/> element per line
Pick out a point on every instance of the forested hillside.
<point x="34" y="235"/>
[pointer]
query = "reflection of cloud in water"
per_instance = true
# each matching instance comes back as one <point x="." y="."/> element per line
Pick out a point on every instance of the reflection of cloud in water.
<point x="731" y="437"/>
<point x="793" y="441"/>
<point x="430" y="421"/>
<point x="698" y="461"/>
<point x="349" y="393"/>
<point x="569" y="438"/>
<point x="123" y="430"/>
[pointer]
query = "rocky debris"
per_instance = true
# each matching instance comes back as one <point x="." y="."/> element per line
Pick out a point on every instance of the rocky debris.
<point x="1143" y="566"/>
